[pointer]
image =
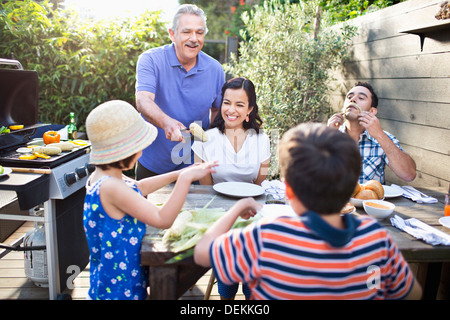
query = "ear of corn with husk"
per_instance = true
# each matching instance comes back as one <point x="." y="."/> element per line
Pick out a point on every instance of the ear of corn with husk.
<point x="190" y="225"/>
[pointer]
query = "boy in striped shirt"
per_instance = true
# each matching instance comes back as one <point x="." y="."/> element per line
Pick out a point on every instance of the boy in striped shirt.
<point x="319" y="254"/>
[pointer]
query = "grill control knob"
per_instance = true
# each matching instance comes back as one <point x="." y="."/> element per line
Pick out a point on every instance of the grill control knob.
<point x="70" y="178"/>
<point x="90" y="167"/>
<point x="81" y="172"/>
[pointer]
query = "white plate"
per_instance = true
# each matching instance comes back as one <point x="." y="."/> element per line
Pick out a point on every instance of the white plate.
<point x="239" y="189"/>
<point x="391" y="192"/>
<point x="6" y="171"/>
<point x="276" y="210"/>
<point x="445" y="221"/>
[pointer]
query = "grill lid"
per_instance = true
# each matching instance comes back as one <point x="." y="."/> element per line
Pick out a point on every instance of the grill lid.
<point x="18" y="103"/>
<point x="18" y="97"/>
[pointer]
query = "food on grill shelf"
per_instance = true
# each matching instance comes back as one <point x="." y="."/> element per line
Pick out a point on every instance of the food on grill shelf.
<point x="198" y="132"/>
<point x="48" y="150"/>
<point x="51" y="137"/>
<point x="16" y="127"/>
<point x="79" y="142"/>
<point x="41" y="155"/>
<point x="4" y="129"/>
<point x="28" y="156"/>
<point x="64" y="146"/>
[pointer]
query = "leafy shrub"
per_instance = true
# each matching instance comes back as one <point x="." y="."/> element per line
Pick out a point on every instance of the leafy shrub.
<point x="343" y="10"/>
<point x="80" y="63"/>
<point x="290" y="68"/>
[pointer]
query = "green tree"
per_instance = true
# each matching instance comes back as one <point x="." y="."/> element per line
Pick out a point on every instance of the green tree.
<point x="289" y="62"/>
<point x="343" y="10"/>
<point x="80" y="63"/>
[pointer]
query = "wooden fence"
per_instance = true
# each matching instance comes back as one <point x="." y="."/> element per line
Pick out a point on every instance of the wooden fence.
<point x="404" y="52"/>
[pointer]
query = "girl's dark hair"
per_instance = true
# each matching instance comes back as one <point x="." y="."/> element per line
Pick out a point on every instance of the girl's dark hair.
<point x="255" y="121"/>
<point x="121" y="164"/>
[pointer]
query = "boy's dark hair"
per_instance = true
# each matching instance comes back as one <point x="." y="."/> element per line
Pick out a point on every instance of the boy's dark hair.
<point x="322" y="166"/>
<point x="370" y="88"/>
<point x="254" y="118"/>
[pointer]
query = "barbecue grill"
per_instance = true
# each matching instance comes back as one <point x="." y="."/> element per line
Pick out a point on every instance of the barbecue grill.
<point x="57" y="184"/>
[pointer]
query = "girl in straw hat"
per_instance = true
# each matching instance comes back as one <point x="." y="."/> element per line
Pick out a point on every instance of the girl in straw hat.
<point x="115" y="210"/>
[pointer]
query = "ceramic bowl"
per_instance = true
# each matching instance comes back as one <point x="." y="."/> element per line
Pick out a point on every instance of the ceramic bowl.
<point x="356" y="202"/>
<point x="378" y="209"/>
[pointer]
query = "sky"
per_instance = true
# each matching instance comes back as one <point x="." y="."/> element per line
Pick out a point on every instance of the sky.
<point x="119" y="8"/>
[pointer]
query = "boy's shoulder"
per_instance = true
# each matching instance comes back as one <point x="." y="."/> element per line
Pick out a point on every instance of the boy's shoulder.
<point x="311" y="226"/>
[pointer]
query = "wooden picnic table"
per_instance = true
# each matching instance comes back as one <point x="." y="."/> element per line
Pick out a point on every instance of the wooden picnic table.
<point x="171" y="281"/>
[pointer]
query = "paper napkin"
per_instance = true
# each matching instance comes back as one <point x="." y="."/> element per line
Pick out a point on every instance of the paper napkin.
<point x="415" y="195"/>
<point x="421" y="231"/>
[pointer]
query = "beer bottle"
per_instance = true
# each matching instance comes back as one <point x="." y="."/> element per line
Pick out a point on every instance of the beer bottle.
<point x="72" y="128"/>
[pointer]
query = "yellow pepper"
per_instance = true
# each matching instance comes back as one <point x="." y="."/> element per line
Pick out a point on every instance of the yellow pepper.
<point x="28" y="157"/>
<point x="41" y="155"/>
<point x="79" y="142"/>
<point x="16" y="127"/>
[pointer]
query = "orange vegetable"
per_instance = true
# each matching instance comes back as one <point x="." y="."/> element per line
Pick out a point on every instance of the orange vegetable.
<point x="51" y="137"/>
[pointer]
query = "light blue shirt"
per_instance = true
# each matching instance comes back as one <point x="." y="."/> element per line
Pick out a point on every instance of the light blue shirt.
<point x="184" y="96"/>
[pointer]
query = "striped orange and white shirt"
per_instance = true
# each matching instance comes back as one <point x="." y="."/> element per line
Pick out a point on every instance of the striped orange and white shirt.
<point x="306" y="258"/>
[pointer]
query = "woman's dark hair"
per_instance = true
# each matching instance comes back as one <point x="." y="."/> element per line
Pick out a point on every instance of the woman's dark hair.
<point x="255" y="121"/>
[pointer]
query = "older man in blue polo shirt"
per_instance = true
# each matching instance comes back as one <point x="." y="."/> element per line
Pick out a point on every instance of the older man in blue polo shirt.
<point x="176" y="85"/>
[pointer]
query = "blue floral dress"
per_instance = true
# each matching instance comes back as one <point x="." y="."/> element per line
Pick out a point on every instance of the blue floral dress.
<point x="115" y="260"/>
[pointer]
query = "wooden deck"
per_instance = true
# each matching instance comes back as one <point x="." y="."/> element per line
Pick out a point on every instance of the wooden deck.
<point x="14" y="284"/>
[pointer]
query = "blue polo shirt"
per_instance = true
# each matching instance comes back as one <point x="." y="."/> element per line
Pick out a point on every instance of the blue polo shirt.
<point x="185" y="96"/>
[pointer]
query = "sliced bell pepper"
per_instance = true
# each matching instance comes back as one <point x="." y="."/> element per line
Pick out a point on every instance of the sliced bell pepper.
<point x="28" y="157"/>
<point x="41" y="155"/>
<point x="51" y="137"/>
<point x="16" y="127"/>
<point x="79" y="142"/>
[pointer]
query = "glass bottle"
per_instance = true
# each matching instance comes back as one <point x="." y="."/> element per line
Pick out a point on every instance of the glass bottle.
<point x="72" y="128"/>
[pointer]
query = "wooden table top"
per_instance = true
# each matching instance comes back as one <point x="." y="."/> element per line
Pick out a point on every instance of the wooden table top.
<point x="154" y="252"/>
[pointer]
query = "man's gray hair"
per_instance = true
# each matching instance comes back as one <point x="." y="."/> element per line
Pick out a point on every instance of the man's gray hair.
<point x="188" y="9"/>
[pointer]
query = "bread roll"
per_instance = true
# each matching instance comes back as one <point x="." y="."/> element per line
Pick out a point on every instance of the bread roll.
<point x="358" y="189"/>
<point x="366" y="194"/>
<point x="375" y="186"/>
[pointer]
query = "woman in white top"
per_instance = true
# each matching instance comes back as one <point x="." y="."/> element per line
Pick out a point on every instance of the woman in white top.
<point x="238" y="143"/>
<point x="235" y="138"/>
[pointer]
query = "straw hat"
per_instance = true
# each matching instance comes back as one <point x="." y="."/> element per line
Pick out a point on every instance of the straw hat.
<point x="117" y="131"/>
